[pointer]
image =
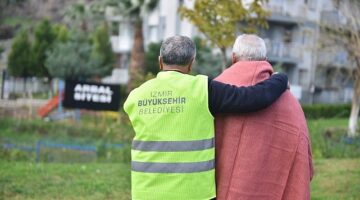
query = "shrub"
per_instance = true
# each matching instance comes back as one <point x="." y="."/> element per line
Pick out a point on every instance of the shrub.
<point x="318" y="111"/>
<point x="16" y="155"/>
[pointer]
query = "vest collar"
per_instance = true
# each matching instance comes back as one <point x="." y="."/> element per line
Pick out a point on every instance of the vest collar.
<point x="168" y="73"/>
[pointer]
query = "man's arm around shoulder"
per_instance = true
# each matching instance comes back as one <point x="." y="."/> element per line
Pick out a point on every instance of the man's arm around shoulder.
<point x="225" y="98"/>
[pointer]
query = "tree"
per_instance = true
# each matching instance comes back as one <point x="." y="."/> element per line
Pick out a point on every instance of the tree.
<point x="6" y="6"/>
<point x="102" y="48"/>
<point x="19" y="57"/>
<point x="135" y="10"/>
<point x="75" y="59"/>
<point x="85" y="16"/>
<point x="44" y="38"/>
<point x="1" y="50"/>
<point x="76" y="15"/>
<point x="8" y="10"/>
<point x="205" y="62"/>
<point x="152" y="58"/>
<point x="347" y="35"/>
<point x="61" y="33"/>
<point x="220" y="20"/>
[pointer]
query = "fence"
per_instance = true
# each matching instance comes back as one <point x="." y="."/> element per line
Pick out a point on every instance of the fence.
<point x="48" y="151"/>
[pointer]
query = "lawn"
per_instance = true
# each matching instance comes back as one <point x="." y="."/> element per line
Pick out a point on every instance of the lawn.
<point x="107" y="176"/>
<point x="335" y="179"/>
<point x="24" y="180"/>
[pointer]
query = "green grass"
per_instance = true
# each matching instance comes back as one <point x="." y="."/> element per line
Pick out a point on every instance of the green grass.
<point x="89" y="130"/>
<point x="327" y="135"/>
<point x="22" y="180"/>
<point x="334" y="179"/>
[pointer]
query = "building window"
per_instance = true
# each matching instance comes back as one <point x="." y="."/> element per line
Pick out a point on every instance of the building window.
<point x="162" y="26"/>
<point x="311" y="4"/>
<point x="307" y="37"/>
<point x="330" y="75"/>
<point x="287" y="36"/>
<point x="303" y="77"/>
<point x="115" y="26"/>
<point x="337" y="4"/>
<point x="153" y="33"/>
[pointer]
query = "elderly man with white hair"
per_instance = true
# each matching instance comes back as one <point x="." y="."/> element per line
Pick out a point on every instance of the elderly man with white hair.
<point x="266" y="154"/>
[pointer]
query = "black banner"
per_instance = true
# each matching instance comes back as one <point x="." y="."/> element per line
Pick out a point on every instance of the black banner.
<point x="92" y="96"/>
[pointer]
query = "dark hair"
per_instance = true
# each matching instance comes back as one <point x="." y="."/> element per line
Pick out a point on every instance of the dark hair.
<point x="177" y="50"/>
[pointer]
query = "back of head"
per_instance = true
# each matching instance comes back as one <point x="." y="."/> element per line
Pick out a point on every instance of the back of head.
<point x="177" y="51"/>
<point x="249" y="47"/>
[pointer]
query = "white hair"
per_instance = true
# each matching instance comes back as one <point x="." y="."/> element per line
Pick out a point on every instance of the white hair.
<point x="249" y="47"/>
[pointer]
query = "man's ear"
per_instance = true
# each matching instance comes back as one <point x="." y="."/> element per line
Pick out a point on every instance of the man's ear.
<point x="190" y="65"/>
<point x="234" y="59"/>
<point x="161" y="64"/>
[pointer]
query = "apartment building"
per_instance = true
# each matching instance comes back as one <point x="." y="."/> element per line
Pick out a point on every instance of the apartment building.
<point x="292" y="41"/>
<point x="161" y="23"/>
<point x="333" y="71"/>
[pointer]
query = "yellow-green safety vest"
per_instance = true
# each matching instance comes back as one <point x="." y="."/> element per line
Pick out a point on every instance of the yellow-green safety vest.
<point x="173" y="148"/>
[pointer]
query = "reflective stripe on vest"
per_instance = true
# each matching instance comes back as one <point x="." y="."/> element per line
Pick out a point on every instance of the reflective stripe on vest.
<point x="172" y="146"/>
<point x="172" y="167"/>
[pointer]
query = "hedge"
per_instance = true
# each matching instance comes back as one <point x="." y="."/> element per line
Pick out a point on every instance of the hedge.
<point x="317" y="111"/>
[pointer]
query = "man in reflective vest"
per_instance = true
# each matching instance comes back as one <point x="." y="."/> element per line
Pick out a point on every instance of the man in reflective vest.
<point x="172" y="115"/>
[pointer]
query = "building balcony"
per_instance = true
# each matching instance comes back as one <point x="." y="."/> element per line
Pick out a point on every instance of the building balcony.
<point x="283" y="52"/>
<point x="338" y="59"/>
<point x="332" y="17"/>
<point x="280" y="14"/>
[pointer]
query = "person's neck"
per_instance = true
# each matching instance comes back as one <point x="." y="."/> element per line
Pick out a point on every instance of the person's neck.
<point x="181" y="69"/>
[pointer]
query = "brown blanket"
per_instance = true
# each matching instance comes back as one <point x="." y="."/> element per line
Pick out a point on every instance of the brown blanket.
<point x="266" y="154"/>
